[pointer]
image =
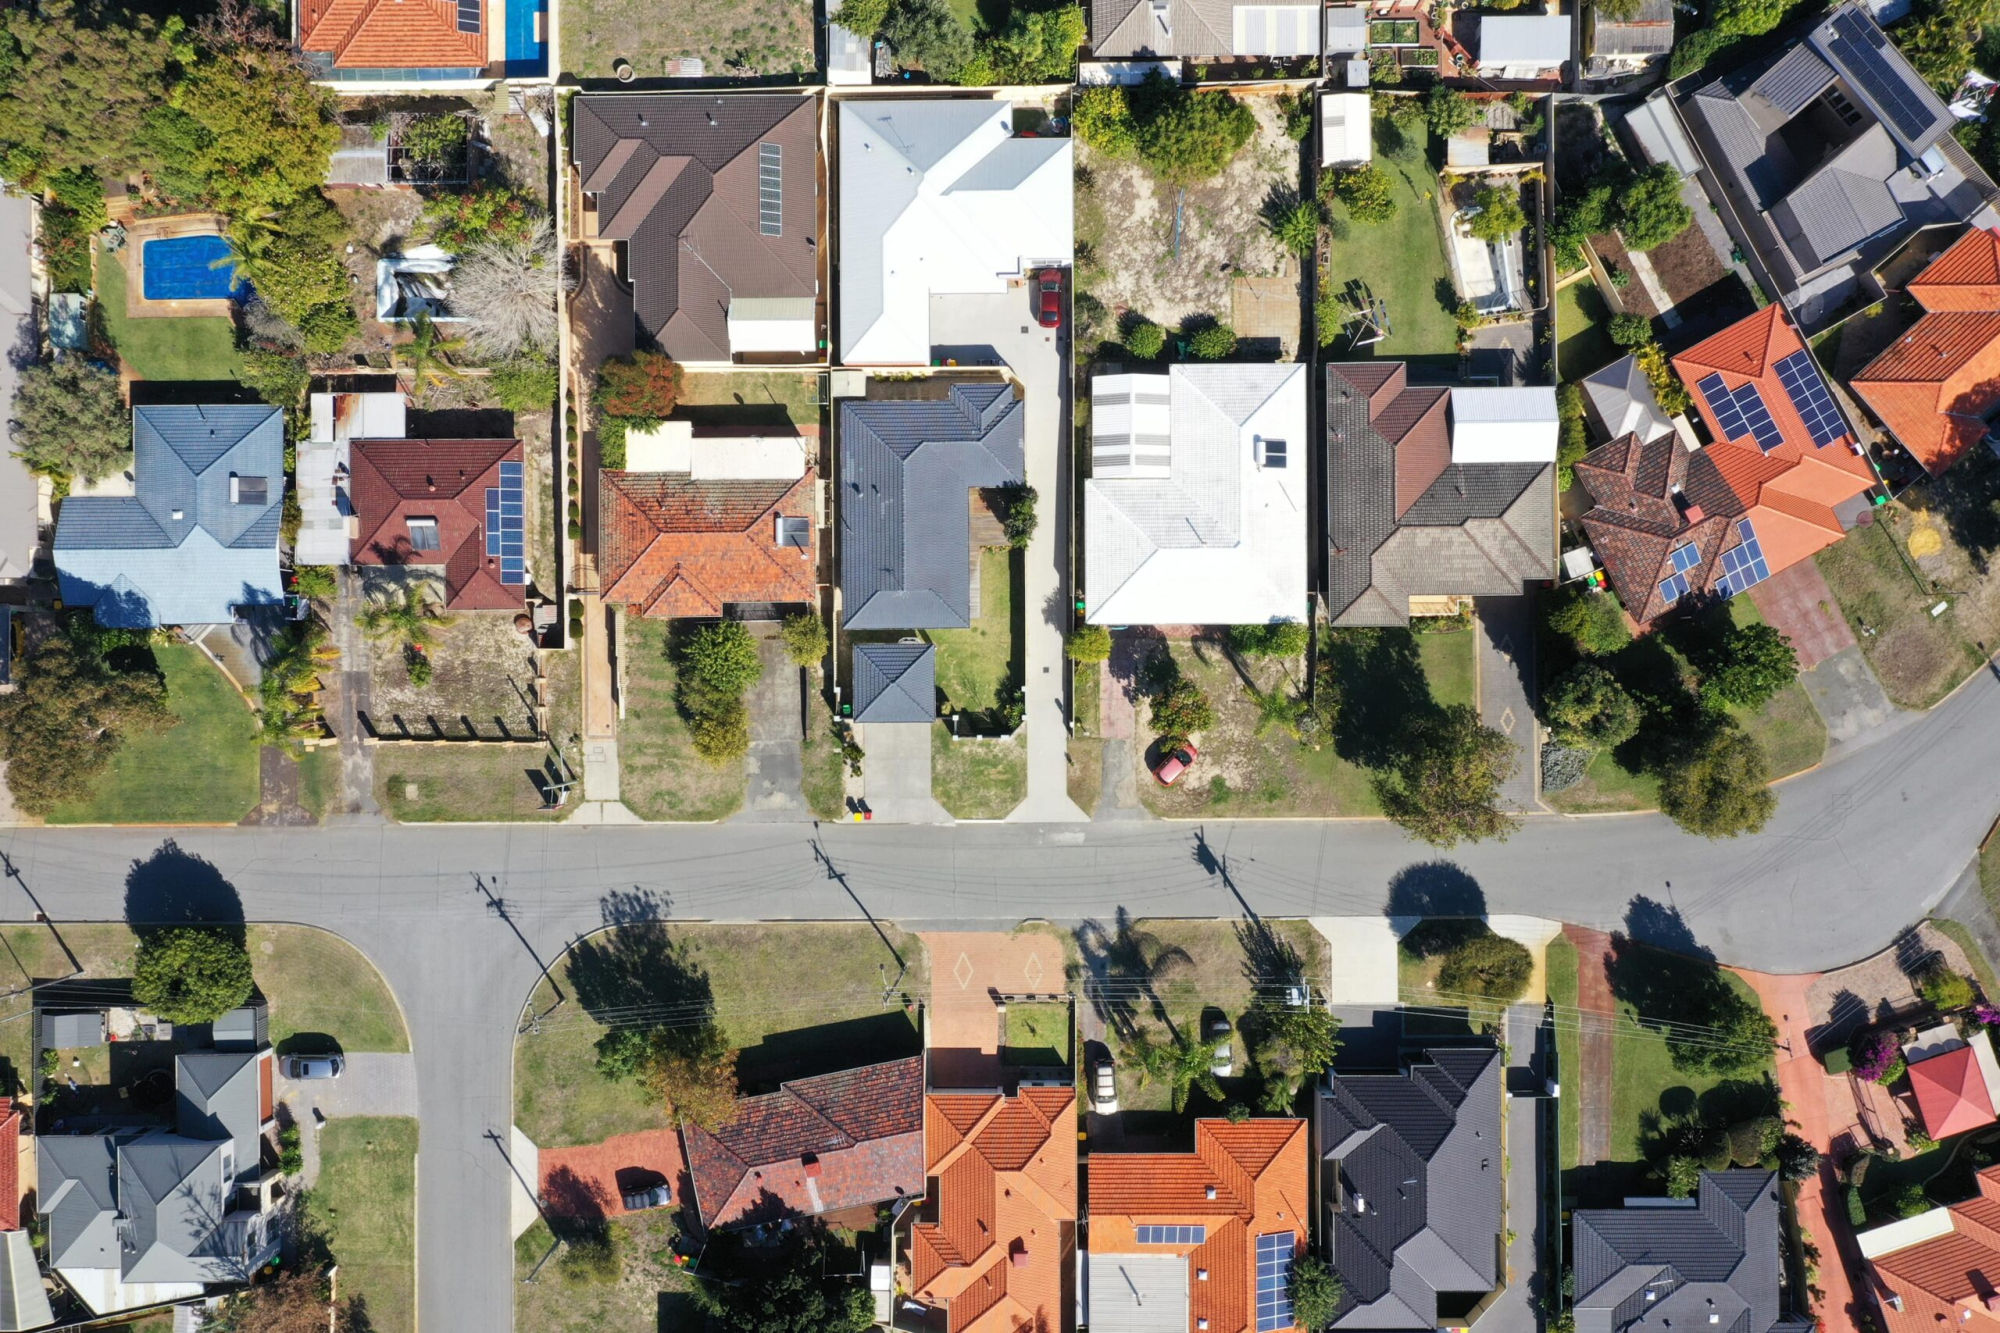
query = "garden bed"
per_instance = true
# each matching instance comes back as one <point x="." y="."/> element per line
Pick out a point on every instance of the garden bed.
<point x="483" y="673"/>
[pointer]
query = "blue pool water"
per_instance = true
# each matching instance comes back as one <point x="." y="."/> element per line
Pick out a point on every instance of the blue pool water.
<point x="180" y="268"/>
<point x="527" y="52"/>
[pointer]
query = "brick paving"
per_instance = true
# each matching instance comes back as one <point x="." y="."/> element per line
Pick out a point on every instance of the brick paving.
<point x="1797" y="602"/>
<point x="585" y="1181"/>
<point x="969" y="969"/>
<point x="1591" y="1085"/>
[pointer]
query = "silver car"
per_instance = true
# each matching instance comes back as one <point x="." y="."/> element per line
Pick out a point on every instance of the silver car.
<point x="1225" y="1058"/>
<point x="1104" y="1087"/>
<point x="305" y="1068"/>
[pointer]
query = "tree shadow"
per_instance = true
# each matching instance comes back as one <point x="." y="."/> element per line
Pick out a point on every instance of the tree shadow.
<point x="567" y="1195"/>
<point x="1435" y="888"/>
<point x="1662" y="926"/>
<point x="173" y="887"/>
<point x="636" y="973"/>
<point x="1384" y="693"/>
<point x="1966" y="499"/>
<point x="1271" y="963"/>
<point x="1124" y="963"/>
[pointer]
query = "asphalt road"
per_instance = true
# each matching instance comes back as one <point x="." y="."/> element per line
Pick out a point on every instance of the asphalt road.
<point x="1858" y="848"/>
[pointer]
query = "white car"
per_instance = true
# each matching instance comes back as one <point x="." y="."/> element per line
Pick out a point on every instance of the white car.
<point x="1104" y="1087"/>
<point x="1225" y="1058"/>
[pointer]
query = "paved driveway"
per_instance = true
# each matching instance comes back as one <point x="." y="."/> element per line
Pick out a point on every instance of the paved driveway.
<point x="775" y="762"/>
<point x="1797" y="603"/>
<point x="1505" y="642"/>
<point x="896" y="773"/>
<point x="373" y="1084"/>
<point x="1848" y="696"/>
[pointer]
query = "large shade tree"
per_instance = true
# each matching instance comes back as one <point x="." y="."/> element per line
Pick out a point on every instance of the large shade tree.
<point x="69" y="716"/>
<point x="70" y="420"/>
<point x="191" y="974"/>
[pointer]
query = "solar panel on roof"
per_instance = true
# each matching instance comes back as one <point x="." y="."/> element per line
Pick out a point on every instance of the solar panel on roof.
<point x="468" y="15"/>
<point x="1722" y="406"/>
<point x="1684" y="557"/>
<point x="1757" y="421"/>
<point x="1860" y="46"/>
<point x="1743" y="565"/>
<point x="1673" y="588"/>
<point x="505" y="540"/>
<point x="1170" y="1235"/>
<point x="1274" y="1281"/>
<point x="1810" y="398"/>
<point x="770" y="189"/>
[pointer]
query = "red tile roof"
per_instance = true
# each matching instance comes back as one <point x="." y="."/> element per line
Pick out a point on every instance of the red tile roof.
<point x="1257" y="1171"/>
<point x="397" y="480"/>
<point x="1934" y="386"/>
<point x="1005" y="1199"/>
<point x="817" y="1145"/>
<point x="10" y="1165"/>
<point x="1946" y="1280"/>
<point x="1965" y="277"/>
<point x="391" y="34"/>
<point x="674" y="546"/>
<point x="1951" y="1093"/>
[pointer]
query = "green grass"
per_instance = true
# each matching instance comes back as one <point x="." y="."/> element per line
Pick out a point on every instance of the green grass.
<point x="319" y="985"/>
<point x="1403" y="260"/>
<point x="1982" y="968"/>
<point x="1448" y="666"/>
<point x="749" y="398"/>
<point x="1584" y="322"/>
<point x="649" y="1292"/>
<point x="203" y="770"/>
<point x="823" y="780"/>
<point x="467" y="783"/>
<point x="168" y="348"/>
<point x="791" y="999"/>
<point x="978" y="779"/>
<point x="319" y="781"/>
<point x="975" y="664"/>
<point x="1559" y="960"/>
<point x="1037" y="1034"/>
<point x="659" y="774"/>
<point x="366" y="1200"/>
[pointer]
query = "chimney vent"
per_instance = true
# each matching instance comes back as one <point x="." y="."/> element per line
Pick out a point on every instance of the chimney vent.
<point x="811" y="1163"/>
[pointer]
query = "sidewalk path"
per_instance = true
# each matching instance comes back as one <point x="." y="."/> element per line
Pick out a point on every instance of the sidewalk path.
<point x="1591" y="1085"/>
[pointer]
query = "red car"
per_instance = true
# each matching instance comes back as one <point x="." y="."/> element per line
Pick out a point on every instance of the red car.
<point x="1049" y="306"/>
<point x="1174" y="763"/>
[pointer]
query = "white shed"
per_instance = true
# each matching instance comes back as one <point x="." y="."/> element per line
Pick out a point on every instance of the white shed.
<point x="1522" y="46"/>
<point x="1345" y="132"/>
<point x="1511" y="425"/>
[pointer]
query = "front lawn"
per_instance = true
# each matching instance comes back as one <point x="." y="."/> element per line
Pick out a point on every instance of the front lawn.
<point x="1402" y="261"/>
<point x="659" y="774"/>
<point x="823" y="777"/>
<point x="763" y="37"/>
<point x="1037" y="1034"/>
<point x="201" y="347"/>
<point x="793" y="1000"/>
<point x="476" y="782"/>
<point x="366" y="1202"/>
<point x="1585" y="323"/>
<point x="202" y="770"/>
<point x="649" y="1291"/>
<point x="978" y="778"/>
<point x="1559" y="960"/>
<point x="1242" y="772"/>
<point x="975" y="665"/>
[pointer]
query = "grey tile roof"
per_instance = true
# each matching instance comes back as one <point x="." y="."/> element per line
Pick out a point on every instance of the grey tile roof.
<point x="78" y="1193"/>
<point x="677" y="178"/>
<point x="191" y="543"/>
<point x="1123" y="28"/>
<point x="1787" y="86"/>
<point x="895" y="682"/>
<point x="905" y="519"/>
<point x="1620" y="400"/>
<point x="1677" y="1266"/>
<point x="1414" y="1185"/>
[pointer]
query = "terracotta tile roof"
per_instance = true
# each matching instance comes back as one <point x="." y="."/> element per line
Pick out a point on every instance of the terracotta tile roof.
<point x="1944" y="1281"/>
<point x="1004" y="1200"/>
<point x="1965" y="277"/>
<point x="1257" y="1171"/>
<point x="1934" y="386"/>
<point x="673" y="546"/>
<point x="391" y="34"/>
<point x="817" y="1145"/>
<point x="397" y="480"/>
<point x="1951" y="1093"/>
<point x="10" y="1165"/>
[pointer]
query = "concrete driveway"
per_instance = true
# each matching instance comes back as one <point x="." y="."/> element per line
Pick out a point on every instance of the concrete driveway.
<point x="775" y="763"/>
<point x="896" y="774"/>
<point x="1505" y="630"/>
<point x="372" y="1084"/>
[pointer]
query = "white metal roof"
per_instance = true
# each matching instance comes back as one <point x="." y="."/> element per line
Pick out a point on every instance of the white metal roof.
<point x="1345" y="131"/>
<point x="1511" y="425"/>
<point x="939" y="198"/>
<point x="1658" y="129"/>
<point x="1538" y="41"/>
<point x="772" y="324"/>
<point x="1346" y="29"/>
<point x="1275" y="30"/>
<point x="1097" y="73"/>
<point x="1910" y="1231"/>
<point x="1138" y="1293"/>
<point x="672" y="446"/>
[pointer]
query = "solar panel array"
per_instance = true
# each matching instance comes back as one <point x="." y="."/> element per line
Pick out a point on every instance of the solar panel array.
<point x="1683" y="559"/>
<point x="770" y="189"/>
<point x="1741" y="412"/>
<point x="468" y="15"/>
<point x="1274" y="1281"/>
<point x="1743" y="566"/>
<point x="1860" y="46"/>
<point x="504" y="540"/>
<point x="1809" y="396"/>
<point x="1171" y="1235"/>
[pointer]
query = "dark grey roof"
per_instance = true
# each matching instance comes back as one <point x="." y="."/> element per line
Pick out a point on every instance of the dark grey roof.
<point x="677" y="177"/>
<point x="1360" y="500"/>
<point x="906" y="467"/>
<point x="219" y="1094"/>
<point x="1789" y="85"/>
<point x="171" y="1198"/>
<point x="1875" y="71"/>
<point x="62" y="1032"/>
<point x="77" y="1191"/>
<point x="1649" y="32"/>
<point x="1414" y="1184"/>
<point x="895" y="682"/>
<point x="1679" y="1265"/>
<point x="1843" y="203"/>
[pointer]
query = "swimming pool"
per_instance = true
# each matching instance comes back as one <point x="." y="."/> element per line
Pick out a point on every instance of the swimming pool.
<point x="181" y="268"/>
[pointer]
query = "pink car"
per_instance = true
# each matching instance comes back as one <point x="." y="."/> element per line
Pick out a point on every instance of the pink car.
<point x="1176" y="762"/>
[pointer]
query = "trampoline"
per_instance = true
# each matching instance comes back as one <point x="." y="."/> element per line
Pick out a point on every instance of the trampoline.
<point x="181" y="268"/>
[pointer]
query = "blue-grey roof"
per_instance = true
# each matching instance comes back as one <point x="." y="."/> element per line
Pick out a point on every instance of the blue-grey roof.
<point x="192" y="543"/>
<point x="1414" y="1182"/>
<point x="906" y="468"/>
<point x="895" y="682"/>
<point x="1679" y="1265"/>
<point x="172" y="1199"/>
<point x="77" y="1191"/>
<point x="218" y="1095"/>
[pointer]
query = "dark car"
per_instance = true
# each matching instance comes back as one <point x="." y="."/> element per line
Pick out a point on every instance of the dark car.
<point x="306" y="1067"/>
<point x="1048" y="308"/>
<point x="1175" y="762"/>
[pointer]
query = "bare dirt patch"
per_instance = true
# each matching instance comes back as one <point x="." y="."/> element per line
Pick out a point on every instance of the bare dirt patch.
<point x="1130" y="256"/>
<point x="480" y="684"/>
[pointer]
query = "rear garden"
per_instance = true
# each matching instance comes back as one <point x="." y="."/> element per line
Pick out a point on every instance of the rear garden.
<point x="1583" y="331"/>
<point x="1399" y="260"/>
<point x="763" y="38"/>
<point x="162" y="347"/>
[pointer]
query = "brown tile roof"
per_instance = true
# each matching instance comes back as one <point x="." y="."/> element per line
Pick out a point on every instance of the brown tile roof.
<point x="1934" y="386"/>
<point x="1005" y="1227"/>
<point x="817" y="1145"/>
<point x="397" y="480"/>
<point x="1945" y="1281"/>
<point x="673" y="546"/>
<point x="391" y="34"/>
<point x="677" y="180"/>
<point x="1965" y="277"/>
<point x="1257" y="1170"/>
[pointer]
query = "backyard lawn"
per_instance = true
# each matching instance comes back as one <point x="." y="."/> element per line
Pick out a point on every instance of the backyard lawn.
<point x="1402" y="261"/>
<point x="164" y="348"/>
<point x="974" y="665"/>
<point x="365" y="1200"/>
<point x="659" y="774"/>
<point x="785" y="1020"/>
<point x="202" y="770"/>
<point x="1584" y="324"/>
<point x="978" y="779"/>
<point x="763" y="37"/>
<point x="750" y="398"/>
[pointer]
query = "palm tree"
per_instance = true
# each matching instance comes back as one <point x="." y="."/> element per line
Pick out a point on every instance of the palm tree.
<point x="1276" y="707"/>
<point x="428" y="354"/>
<point x="1127" y="963"/>
<point x="1184" y="1062"/>
<point x="250" y="242"/>
<point x="413" y="618"/>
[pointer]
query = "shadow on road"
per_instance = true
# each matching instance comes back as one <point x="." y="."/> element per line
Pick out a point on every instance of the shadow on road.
<point x="177" y="888"/>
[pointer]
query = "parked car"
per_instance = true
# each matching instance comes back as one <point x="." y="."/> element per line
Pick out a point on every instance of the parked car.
<point x="1175" y="762"/>
<point x="1048" y="306"/>
<point x="1104" y="1087"/>
<point x="1218" y="1032"/>
<point x="307" y="1067"/>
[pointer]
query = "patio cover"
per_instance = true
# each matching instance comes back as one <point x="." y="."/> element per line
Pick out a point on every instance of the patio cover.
<point x="1951" y="1091"/>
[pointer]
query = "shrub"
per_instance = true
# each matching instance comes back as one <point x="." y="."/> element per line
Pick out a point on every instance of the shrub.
<point x="1102" y="118"/>
<point x="1089" y="644"/>
<point x="419" y="663"/>
<point x="1035" y="47"/>
<point x="191" y="974"/>
<point x="319" y="582"/>
<point x="81" y="194"/>
<point x="1448" y="111"/>
<point x="1720" y="787"/>
<point x="1212" y="342"/>
<point x="279" y="378"/>
<point x="1695" y="50"/>
<point x="723" y="657"/>
<point x="1630" y="330"/>
<point x="644" y="384"/>
<point x="589" y="1253"/>
<point x="526" y="385"/>
<point x="1857" y="1211"/>
<point x="1586" y="706"/>
<point x="1145" y="340"/>
<point x="505" y="289"/>
<point x="1909" y="1201"/>
<point x="1298" y="111"/>
<point x="1651" y="212"/>
<point x="1296" y="226"/>
<point x="863" y="17"/>
<point x="1878" y="1058"/>
<point x="1487" y="965"/>
<point x="1368" y="192"/>
<point x="1563" y="766"/>
<point x="1195" y="135"/>
<point x="1181" y="709"/>
<point x="70" y="420"/>
<point x="461" y="219"/>
<point x="1017" y="515"/>
<point x="1593" y="620"/>
<point x="291" y="1156"/>
<point x="439" y="139"/>
<point x="1683" y="1177"/>
<point x="927" y="34"/>
<point x="1945" y="989"/>
<point x="723" y="734"/>
<point x="1316" y="1292"/>
<point x="1283" y="639"/>
<point x="1668" y="390"/>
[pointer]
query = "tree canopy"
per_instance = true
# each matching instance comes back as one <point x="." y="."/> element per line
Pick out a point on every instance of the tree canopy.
<point x="1447" y="111"/>
<point x="70" y="420"/>
<point x="1181" y="708"/>
<point x="267" y="128"/>
<point x="1749" y="665"/>
<point x="74" y="93"/>
<point x="1367" y="191"/>
<point x="1193" y="136"/>
<point x="1720" y="787"/>
<point x="1500" y="213"/>
<point x="71" y="713"/>
<point x="1651" y="212"/>
<point x="789" y="1292"/>
<point x="1038" y="47"/>
<point x="1445" y="786"/>
<point x="191" y="974"/>
<point x="928" y="35"/>
<point x="1587" y="706"/>
<point x="1593" y="620"/>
